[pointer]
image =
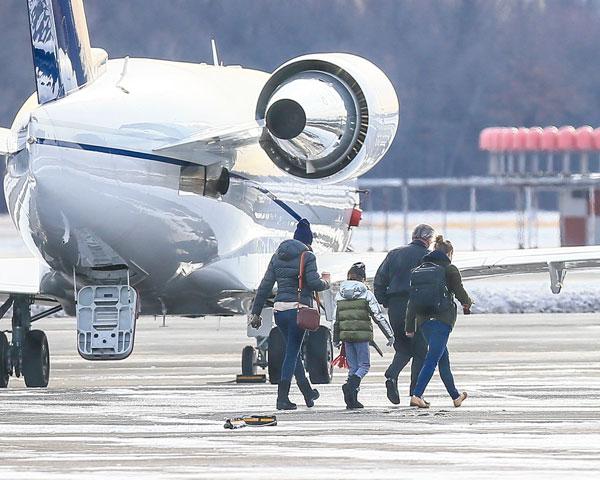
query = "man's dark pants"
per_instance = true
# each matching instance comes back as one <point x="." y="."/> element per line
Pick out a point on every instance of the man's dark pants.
<point x="406" y="348"/>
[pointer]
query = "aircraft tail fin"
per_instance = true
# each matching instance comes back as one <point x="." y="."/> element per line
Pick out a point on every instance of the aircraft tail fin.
<point x="62" y="57"/>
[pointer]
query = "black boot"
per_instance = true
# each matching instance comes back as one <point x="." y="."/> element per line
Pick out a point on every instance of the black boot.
<point x="346" y="389"/>
<point x="356" y="385"/>
<point x="310" y="394"/>
<point x="283" y="401"/>
<point x="391" y="386"/>
<point x="350" y="389"/>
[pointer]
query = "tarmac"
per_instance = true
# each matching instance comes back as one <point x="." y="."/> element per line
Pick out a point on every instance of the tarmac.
<point x="533" y="410"/>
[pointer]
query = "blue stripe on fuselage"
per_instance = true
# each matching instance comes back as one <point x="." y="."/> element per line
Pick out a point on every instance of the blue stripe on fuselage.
<point x="113" y="151"/>
<point x="157" y="158"/>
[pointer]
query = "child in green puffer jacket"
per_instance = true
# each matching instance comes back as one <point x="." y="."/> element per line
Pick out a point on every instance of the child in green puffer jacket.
<point x="355" y="307"/>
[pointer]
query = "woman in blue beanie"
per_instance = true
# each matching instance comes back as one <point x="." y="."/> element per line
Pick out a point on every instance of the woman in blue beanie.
<point x="303" y="233"/>
<point x="284" y="269"/>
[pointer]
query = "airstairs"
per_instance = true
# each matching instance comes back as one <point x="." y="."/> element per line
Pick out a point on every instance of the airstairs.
<point x="106" y="318"/>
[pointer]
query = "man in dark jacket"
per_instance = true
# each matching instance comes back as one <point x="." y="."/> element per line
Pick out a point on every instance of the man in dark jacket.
<point x="392" y="288"/>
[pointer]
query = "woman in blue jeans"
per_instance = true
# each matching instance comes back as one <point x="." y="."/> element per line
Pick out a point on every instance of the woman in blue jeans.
<point x="284" y="269"/>
<point x="436" y="328"/>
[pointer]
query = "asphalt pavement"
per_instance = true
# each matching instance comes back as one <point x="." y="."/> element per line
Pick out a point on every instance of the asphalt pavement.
<point x="533" y="410"/>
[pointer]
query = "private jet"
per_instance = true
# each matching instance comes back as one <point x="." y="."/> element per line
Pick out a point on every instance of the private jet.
<point x="151" y="187"/>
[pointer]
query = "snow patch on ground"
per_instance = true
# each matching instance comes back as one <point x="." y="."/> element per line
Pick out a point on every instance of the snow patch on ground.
<point x="533" y="299"/>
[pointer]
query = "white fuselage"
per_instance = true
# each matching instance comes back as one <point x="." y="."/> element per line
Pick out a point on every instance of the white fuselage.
<point x="89" y="192"/>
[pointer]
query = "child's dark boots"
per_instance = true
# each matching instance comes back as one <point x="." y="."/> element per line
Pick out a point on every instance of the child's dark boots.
<point x="350" y="389"/>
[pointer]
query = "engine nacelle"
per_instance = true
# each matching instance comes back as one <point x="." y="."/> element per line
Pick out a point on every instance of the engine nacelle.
<point x="328" y="116"/>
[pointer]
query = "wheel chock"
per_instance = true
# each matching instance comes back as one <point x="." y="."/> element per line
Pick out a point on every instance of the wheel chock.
<point x="262" y="378"/>
<point x="250" y="421"/>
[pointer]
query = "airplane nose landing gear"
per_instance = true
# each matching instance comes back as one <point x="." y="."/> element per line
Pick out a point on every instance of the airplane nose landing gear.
<point x="27" y="354"/>
<point x="36" y="359"/>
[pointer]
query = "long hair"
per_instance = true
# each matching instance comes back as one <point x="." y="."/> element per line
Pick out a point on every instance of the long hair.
<point x="444" y="246"/>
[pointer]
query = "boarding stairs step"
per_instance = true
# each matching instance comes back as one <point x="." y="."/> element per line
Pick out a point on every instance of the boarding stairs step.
<point x="106" y="319"/>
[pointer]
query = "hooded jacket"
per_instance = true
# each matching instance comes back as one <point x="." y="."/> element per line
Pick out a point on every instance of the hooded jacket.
<point x="393" y="275"/>
<point x="284" y="269"/>
<point x="455" y="287"/>
<point x="355" y="306"/>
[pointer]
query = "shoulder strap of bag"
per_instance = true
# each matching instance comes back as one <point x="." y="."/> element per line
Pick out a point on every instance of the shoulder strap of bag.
<point x="300" y="276"/>
<point x="301" y="281"/>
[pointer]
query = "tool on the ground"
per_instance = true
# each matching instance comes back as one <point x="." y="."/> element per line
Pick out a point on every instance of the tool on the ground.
<point x="261" y="378"/>
<point x="234" y="423"/>
<point x="250" y="421"/>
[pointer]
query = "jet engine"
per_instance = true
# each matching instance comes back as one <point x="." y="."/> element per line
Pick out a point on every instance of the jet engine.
<point x="327" y="116"/>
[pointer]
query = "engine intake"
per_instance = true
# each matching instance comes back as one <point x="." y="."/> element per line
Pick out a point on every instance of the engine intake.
<point x="286" y="119"/>
<point x="329" y="117"/>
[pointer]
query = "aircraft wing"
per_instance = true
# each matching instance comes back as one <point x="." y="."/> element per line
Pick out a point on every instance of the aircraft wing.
<point x="507" y="262"/>
<point x="555" y="261"/>
<point x="22" y="275"/>
<point x="213" y="140"/>
<point x="249" y="269"/>
<point x="473" y="265"/>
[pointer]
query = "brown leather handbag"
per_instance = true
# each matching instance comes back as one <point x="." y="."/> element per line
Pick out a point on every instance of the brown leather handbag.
<point x="307" y="318"/>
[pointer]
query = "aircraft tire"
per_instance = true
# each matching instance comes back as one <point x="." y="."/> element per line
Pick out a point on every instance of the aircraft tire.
<point x="319" y="354"/>
<point x="36" y="359"/>
<point x="249" y="360"/>
<point x="275" y="355"/>
<point x="4" y="352"/>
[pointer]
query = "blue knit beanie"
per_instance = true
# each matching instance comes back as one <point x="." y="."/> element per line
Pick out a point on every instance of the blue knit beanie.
<point x="303" y="232"/>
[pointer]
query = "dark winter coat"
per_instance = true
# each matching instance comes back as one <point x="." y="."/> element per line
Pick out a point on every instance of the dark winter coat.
<point x="284" y="268"/>
<point x="393" y="276"/>
<point x="455" y="287"/>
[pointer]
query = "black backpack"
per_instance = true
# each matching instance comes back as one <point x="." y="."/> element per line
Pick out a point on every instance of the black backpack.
<point x="429" y="294"/>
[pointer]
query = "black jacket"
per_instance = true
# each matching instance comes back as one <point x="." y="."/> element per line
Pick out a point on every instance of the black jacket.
<point x="284" y="268"/>
<point x="393" y="275"/>
<point x="455" y="287"/>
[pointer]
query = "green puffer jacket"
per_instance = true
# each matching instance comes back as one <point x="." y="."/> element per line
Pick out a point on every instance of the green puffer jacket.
<point x="355" y="307"/>
<point x="353" y="322"/>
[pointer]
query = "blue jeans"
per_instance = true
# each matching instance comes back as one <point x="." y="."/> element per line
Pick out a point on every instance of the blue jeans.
<point x="359" y="361"/>
<point x="436" y="333"/>
<point x="292" y="337"/>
